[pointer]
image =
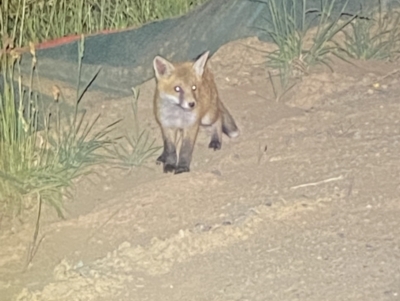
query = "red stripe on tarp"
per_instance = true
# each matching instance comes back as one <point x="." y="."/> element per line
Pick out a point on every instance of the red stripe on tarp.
<point x="57" y="42"/>
<point x="65" y="40"/>
<point x="71" y="38"/>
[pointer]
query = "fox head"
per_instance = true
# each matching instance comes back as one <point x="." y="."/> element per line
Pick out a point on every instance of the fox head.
<point x="179" y="83"/>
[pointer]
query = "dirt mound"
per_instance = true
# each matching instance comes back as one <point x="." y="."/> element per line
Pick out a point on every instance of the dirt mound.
<point x="302" y="206"/>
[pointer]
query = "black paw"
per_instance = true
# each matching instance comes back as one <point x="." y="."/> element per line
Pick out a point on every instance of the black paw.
<point x="181" y="169"/>
<point x="169" y="168"/>
<point x="215" y="144"/>
<point x="160" y="159"/>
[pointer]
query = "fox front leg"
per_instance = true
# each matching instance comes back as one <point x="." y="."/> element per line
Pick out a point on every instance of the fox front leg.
<point x="168" y="156"/>
<point x="185" y="154"/>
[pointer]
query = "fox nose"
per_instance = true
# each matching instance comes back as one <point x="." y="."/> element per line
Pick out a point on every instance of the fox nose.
<point x="191" y="104"/>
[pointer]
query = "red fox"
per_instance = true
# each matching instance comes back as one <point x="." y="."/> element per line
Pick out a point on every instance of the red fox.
<point x="186" y="97"/>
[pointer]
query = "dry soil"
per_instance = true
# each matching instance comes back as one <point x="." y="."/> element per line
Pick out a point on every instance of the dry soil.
<point x="304" y="205"/>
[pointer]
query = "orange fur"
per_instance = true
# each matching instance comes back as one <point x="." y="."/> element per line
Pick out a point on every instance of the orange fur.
<point x="186" y="97"/>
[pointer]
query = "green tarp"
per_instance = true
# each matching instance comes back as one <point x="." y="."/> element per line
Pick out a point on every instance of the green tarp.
<point x="125" y="57"/>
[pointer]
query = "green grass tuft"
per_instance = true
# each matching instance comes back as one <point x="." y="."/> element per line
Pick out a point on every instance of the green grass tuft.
<point x="38" y="20"/>
<point x="41" y="151"/>
<point x="290" y="23"/>
<point x="375" y="36"/>
<point x="136" y="146"/>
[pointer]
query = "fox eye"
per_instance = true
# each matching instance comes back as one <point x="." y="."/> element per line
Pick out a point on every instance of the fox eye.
<point x="194" y="87"/>
<point x="177" y="89"/>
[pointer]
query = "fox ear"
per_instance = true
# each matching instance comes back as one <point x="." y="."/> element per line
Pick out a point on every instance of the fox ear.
<point x="200" y="63"/>
<point x="162" y="67"/>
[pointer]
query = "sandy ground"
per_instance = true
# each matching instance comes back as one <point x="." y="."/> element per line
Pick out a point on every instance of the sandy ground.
<point x="304" y="205"/>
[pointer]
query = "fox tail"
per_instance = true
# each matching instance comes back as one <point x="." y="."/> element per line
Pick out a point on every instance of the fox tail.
<point x="229" y="126"/>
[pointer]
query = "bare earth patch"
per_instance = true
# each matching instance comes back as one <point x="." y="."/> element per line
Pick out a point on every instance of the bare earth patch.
<point x="304" y="205"/>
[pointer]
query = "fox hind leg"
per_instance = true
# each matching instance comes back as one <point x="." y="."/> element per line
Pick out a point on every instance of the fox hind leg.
<point x="216" y="135"/>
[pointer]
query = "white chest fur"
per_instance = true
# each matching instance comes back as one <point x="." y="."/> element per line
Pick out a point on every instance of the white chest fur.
<point x="174" y="116"/>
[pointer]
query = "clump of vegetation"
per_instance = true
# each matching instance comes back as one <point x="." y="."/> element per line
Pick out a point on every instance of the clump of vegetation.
<point x="136" y="146"/>
<point x="38" y="20"/>
<point x="366" y="36"/>
<point x="289" y="27"/>
<point x="44" y="148"/>
<point x="41" y="150"/>
<point x="372" y="36"/>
